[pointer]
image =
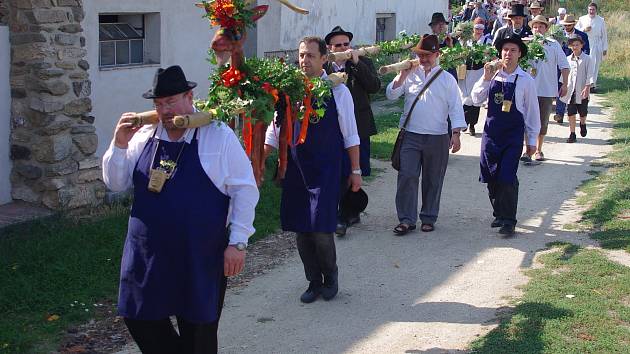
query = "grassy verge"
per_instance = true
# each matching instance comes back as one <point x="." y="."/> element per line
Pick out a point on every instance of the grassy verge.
<point x="53" y="270"/>
<point x="577" y="303"/>
<point x="383" y="142"/>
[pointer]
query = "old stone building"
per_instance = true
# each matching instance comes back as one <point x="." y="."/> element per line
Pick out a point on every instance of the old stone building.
<point x="69" y="68"/>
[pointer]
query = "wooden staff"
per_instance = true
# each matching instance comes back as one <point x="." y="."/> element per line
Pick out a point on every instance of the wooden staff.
<point x="337" y="78"/>
<point x="144" y="118"/>
<point x="194" y="120"/>
<point x="348" y="54"/>
<point x="394" y="68"/>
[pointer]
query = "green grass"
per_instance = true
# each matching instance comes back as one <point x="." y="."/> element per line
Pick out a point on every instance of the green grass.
<point x="595" y="320"/>
<point x="47" y="265"/>
<point x="383" y="143"/>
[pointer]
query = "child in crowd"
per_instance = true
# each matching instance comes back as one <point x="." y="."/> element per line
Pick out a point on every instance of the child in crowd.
<point x="580" y="81"/>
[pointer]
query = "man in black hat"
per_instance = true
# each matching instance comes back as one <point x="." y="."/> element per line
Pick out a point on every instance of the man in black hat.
<point x="178" y="253"/>
<point x="516" y="26"/>
<point x="512" y="113"/>
<point x="439" y="27"/>
<point x="362" y="81"/>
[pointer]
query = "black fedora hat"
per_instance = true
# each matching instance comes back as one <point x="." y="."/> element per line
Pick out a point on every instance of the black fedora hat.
<point x="353" y="203"/>
<point x="517" y="10"/>
<point x="437" y="17"/>
<point x="337" y="31"/>
<point x="512" y="39"/>
<point x="169" y="82"/>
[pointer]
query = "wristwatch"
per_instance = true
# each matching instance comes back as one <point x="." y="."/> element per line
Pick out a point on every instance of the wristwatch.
<point x="241" y="246"/>
<point x="356" y="172"/>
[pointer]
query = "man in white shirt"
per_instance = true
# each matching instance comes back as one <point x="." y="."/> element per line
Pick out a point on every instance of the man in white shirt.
<point x="547" y="81"/>
<point x="512" y="113"/>
<point x="425" y="147"/>
<point x="595" y="28"/>
<point x="310" y="188"/>
<point x="188" y="185"/>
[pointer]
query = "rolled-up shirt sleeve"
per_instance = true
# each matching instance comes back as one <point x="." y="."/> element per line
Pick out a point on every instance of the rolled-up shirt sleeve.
<point x="347" y="120"/>
<point x="480" y="91"/>
<point x="271" y="135"/>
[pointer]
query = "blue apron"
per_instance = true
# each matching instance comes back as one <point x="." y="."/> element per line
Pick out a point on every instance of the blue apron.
<point x="310" y="189"/>
<point x="172" y="261"/>
<point x="502" y="140"/>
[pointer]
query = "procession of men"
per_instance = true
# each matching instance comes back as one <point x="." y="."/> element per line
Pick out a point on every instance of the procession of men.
<point x="324" y="176"/>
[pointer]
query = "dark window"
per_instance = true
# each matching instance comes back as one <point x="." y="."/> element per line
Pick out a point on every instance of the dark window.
<point x="120" y="43"/>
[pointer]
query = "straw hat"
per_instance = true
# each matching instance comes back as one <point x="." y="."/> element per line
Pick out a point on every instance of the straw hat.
<point x="539" y="19"/>
<point x="535" y="5"/>
<point x="569" y="19"/>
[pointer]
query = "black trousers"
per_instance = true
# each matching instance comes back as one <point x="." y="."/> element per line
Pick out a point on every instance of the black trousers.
<point x="160" y="337"/>
<point x="318" y="254"/>
<point x="504" y="200"/>
<point x="471" y="114"/>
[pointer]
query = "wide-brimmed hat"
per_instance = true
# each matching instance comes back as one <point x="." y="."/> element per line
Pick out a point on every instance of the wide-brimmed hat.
<point x="511" y="39"/>
<point x="337" y="31"/>
<point x="575" y="37"/>
<point x="516" y="10"/>
<point x="169" y="82"/>
<point x="352" y="203"/>
<point x="539" y="19"/>
<point x="437" y="17"/>
<point x="569" y="19"/>
<point x="535" y="5"/>
<point x="428" y="44"/>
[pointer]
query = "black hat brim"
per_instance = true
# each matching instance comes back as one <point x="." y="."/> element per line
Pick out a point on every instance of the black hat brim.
<point x="338" y="33"/>
<point x="151" y="95"/>
<point x="515" y="40"/>
<point x="354" y="202"/>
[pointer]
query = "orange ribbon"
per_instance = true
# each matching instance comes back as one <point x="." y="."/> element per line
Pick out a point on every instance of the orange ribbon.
<point x="247" y="133"/>
<point x="308" y="111"/>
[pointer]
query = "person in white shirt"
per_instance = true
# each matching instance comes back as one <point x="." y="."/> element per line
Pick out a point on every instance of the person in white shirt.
<point x="595" y="28"/>
<point x="545" y="74"/>
<point x="311" y="188"/>
<point x="512" y="113"/>
<point x="425" y="147"/>
<point x="580" y="81"/>
<point x="188" y="184"/>
<point x="562" y="12"/>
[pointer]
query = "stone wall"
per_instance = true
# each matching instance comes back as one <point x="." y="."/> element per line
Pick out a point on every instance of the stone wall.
<point x="53" y="139"/>
<point x="4" y="13"/>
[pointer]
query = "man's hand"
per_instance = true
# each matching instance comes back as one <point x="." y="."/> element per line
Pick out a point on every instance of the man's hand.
<point x="563" y="90"/>
<point x="605" y="53"/>
<point x="233" y="261"/>
<point x="354" y="55"/>
<point x="530" y="150"/>
<point x="124" y="130"/>
<point x="355" y="182"/>
<point x="449" y="41"/>
<point x="455" y="143"/>
<point x="488" y="70"/>
<point x="586" y="92"/>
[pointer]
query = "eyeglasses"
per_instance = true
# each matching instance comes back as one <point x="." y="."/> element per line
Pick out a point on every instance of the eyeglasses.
<point x="167" y="105"/>
<point x="339" y="45"/>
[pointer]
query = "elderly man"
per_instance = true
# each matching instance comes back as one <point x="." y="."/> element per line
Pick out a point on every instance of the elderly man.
<point x="547" y="82"/>
<point x="425" y="147"/>
<point x="518" y="26"/>
<point x="178" y="252"/>
<point x="595" y="28"/>
<point x="310" y="190"/>
<point x="535" y="9"/>
<point x="512" y="112"/>
<point x="362" y="81"/>
<point x="562" y="12"/>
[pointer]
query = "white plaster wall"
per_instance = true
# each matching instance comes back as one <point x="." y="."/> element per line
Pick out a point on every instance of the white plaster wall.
<point x="356" y="16"/>
<point x="185" y="37"/>
<point x="5" y="116"/>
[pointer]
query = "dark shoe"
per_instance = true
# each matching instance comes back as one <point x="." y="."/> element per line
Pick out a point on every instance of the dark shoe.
<point x="572" y="138"/>
<point x="427" y="227"/>
<point x="331" y="286"/>
<point x="593" y="90"/>
<point x="472" y="130"/>
<point x="311" y="294"/>
<point x="558" y="118"/>
<point x="526" y="158"/>
<point x="496" y="223"/>
<point x="353" y="220"/>
<point x="583" y="130"/>
<point x="341" y="229"/>
<point x="402" y="229"/>
<point x="507" y="230"/>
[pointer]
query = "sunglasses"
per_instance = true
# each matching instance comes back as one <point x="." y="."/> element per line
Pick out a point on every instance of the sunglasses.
<point x="338" y="45"/>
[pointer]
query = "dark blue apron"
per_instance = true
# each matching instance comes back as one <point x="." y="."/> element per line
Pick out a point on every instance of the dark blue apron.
<point x="310" y="189"/>
<point x="502" y="140"/>
<point x="172" y="261"/>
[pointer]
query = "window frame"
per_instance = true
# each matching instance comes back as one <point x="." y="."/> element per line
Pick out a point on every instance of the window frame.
<point x="142" y="38"/>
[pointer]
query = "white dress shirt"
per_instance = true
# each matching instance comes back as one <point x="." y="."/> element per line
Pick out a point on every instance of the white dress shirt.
<point x="581" y="74"/>
<point x="547" y="70"/>
<point x="222" y="159"/>
<point x="345" y="115"/>
<point x="597" y="36"/>
<point x="525" y="96"/>
<point x="441" y="100"/>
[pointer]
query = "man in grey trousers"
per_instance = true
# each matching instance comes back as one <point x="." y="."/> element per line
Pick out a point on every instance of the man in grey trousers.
<point x="425" y="148"/>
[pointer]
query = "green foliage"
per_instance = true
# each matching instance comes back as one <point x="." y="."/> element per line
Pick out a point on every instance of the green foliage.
<point x="535" y="51"/>
<point x="457" y="55"/>
<point x="465" y="31"/>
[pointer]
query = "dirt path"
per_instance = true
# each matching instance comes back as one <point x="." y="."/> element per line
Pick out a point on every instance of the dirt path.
<point x="423" y="293"/>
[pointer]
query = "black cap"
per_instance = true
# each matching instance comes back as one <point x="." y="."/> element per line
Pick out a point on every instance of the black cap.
<point x="512" y="39"/>
<point x="437" y="17"/>
<point x="353" y="203"/>
<point x="169" y="82"/>
<point x="337" y="31"/>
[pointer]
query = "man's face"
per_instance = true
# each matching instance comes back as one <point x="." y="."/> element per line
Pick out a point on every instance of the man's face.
<point x="592" y="11"/>
<point x="439" y="28"/>
<point x="510" y="53"/>
<point x="171" y="106"/>
<point x="310" y="59"/>
<point x="517" y="21"/>
<point x="535" y="12"/>
<point x="339" y="43"/>
<point x="576" y="47"/>
<point x="569" y="28"/>
<point x="427" y="61"/>
<point x="539" y="28"/>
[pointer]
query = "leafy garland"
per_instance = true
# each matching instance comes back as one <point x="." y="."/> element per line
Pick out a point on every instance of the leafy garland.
<point x="535" y="51"/>
<point x="465" y="30"/>
<point x="451" y="58"/>
<point x="231" y="14"/>
<point x="398" y="45"/>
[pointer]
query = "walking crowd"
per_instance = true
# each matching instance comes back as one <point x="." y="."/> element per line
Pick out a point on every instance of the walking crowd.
<point x="180" y="269"/>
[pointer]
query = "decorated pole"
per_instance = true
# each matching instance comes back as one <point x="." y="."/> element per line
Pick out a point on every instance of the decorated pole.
<point x="397" y="67"/>
<point x="372" y="50"/>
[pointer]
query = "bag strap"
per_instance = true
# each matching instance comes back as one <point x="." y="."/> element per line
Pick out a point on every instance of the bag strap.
<point x="424" y="88"/>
